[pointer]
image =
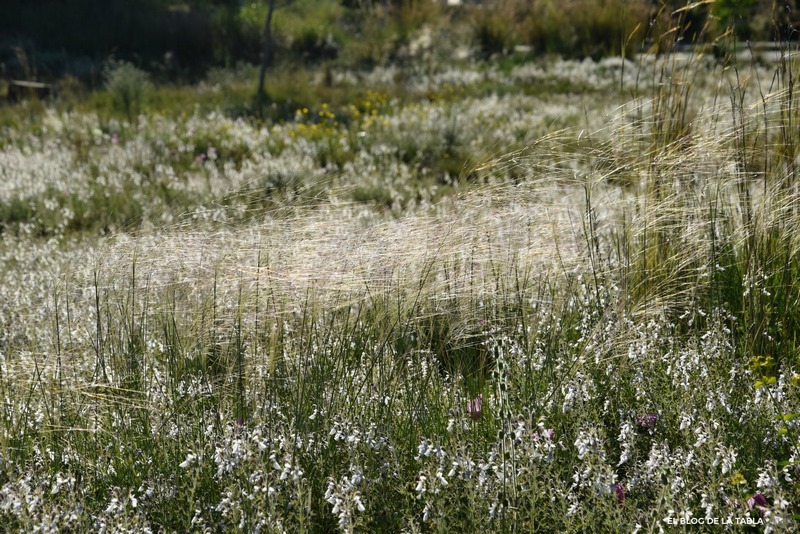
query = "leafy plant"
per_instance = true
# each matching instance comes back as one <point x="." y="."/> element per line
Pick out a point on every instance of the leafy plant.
<point x="128" y="86"/>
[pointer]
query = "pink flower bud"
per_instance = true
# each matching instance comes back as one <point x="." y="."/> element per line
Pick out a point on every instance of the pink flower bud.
<point x="619" y="489"/>
<point x="475" y="407"/>
<point x="647" y="421"/>
<point x="757" y="501"/>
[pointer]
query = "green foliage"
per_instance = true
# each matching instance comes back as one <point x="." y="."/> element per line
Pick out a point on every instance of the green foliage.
<point x="570" y="29"/>
<point x="493" y="33"/>
<point x="735" y="14"/>
<point x="128" y="86"/>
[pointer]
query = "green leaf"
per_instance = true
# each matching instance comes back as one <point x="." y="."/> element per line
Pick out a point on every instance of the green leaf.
<point x="765" y="381"/>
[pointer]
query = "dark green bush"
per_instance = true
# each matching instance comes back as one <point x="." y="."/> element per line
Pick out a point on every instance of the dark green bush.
<point x="583" y="29"/>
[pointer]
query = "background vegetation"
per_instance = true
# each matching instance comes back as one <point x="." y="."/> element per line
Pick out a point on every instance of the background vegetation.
<point x="176" y="41"/>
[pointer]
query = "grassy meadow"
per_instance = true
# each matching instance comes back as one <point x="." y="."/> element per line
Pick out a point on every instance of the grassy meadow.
<point x="506" y="296"/>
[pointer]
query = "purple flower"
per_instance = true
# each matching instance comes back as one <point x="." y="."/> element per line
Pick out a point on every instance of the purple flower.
<point x="757" y="501"/>
<point x="475" y="407"/>
<point x="647" y="421"/>
<point x="619" y="489"/>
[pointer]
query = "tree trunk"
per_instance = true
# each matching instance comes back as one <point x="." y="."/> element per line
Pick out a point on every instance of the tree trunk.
<point x="267" y="50"/>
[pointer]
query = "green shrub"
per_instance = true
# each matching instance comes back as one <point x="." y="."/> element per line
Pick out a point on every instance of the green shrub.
<point x="127" y="85"/>
<point x="585" y="29"/>
<point x="571" y="29"/>
<point x="492" y="34"/>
